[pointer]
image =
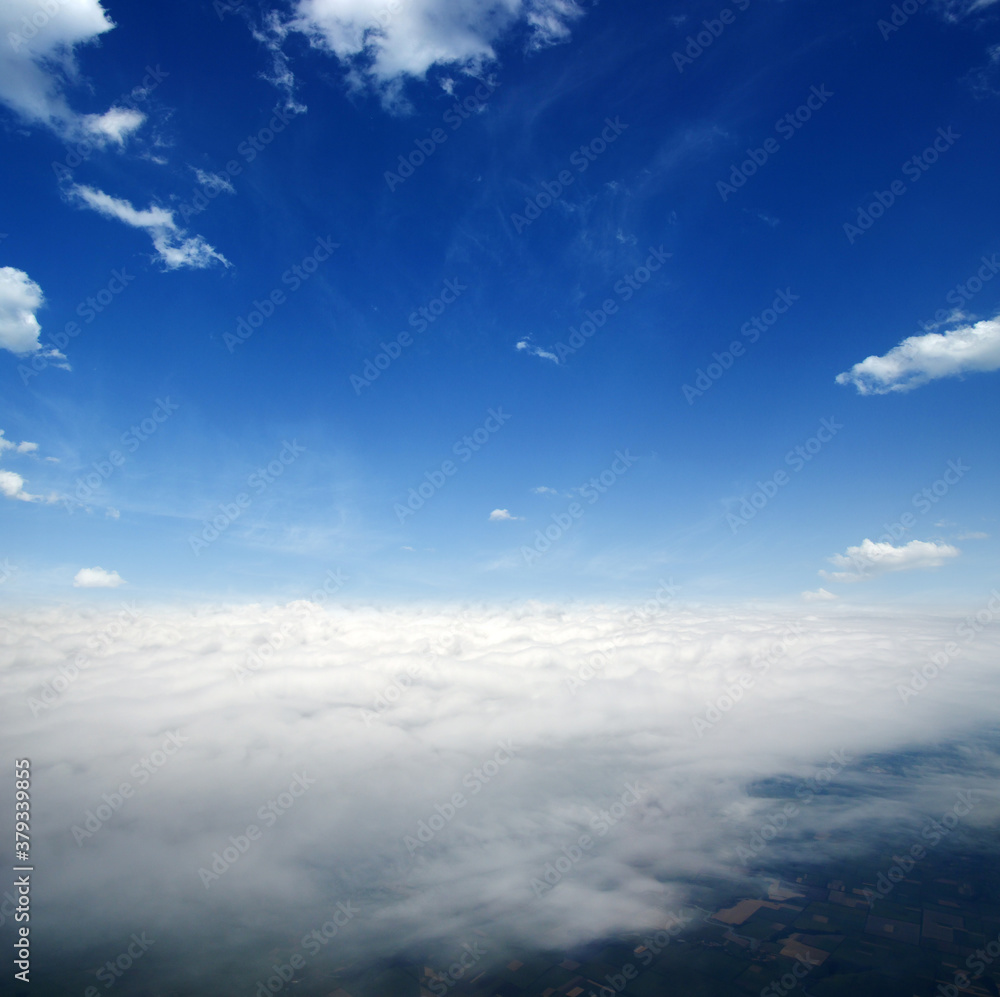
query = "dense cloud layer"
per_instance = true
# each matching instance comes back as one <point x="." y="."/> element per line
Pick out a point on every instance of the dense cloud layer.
<point x="426" y="767"/>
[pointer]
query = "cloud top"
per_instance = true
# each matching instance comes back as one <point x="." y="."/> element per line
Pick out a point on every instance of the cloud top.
<point x="920" y="359"/>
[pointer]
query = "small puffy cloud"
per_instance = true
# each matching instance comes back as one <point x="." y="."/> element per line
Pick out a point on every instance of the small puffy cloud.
<point x="97" y="578"/>
<point x="112" y="513"/>
<point x="114" y="125"/>
<point x="870" y="559"/>
<point x="20" y="298"/>
<point x="501" y="515"/>
<point x="384" y="45"/>
<point x="544" y="490"/>
<point x="920" y="359"/>
<point x="24" y="447"/>
<point x="173" y="246"/>
<point x="973" y="536"/>
<point x="536" y="351"/>
<point x="12" y="487"/>
<point x="820" y="595"/>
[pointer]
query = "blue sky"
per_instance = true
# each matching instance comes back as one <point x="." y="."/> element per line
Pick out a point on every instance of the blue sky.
<point x="176" y="173"/>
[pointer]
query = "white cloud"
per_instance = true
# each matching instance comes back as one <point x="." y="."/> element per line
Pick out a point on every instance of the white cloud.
<point x="214" y="181"/>
<point x="497" y="675"/>
<point x="12" y="487"/>
<point x="173" y="246"/>
<point x="112" y="513"/>
<point x="24" y="447"/>
<point x="820" y="595"/>
<point x="544" y="490"/>
<point x="957" y="10"/>
<point x="499" y="515"/>
<point x="973" y="536"/>
<point x="20" y="298"/>
<point x="387" y="43"/>
<point x="97" y="578"/>
<point x="920" y="359"/>
<point x="37" y="64"/>
<point x="870" y="559"/>
<point x="536" y="351"/>
<point x="114" y="125"/>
